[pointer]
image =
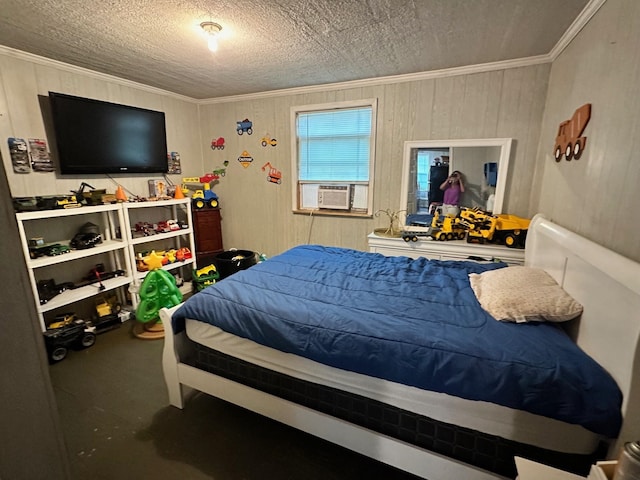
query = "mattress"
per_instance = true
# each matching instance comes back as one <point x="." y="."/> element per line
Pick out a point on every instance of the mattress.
<point x="485" y="417"/>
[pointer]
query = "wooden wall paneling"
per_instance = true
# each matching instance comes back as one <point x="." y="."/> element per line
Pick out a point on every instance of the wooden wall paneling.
<point x="441" y="111"/>
<point x="23" y="81"/>
<point x="593" y="196"/>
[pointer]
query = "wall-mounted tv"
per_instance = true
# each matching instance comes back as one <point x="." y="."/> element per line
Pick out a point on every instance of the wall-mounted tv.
<point x="96" y="137"/>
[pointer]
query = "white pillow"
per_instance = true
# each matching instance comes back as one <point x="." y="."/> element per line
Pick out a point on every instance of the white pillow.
<point x="523" y="294"/>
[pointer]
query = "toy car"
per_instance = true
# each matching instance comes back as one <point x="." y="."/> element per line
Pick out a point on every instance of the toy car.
<point x="68" y="331"/>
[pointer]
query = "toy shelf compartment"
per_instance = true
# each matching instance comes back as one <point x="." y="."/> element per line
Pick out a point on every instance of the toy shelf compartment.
<point x="152" y="212"/>
<point x="59" y="227"/>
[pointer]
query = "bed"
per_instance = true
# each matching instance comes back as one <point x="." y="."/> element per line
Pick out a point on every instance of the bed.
<point x="438" y="424"/>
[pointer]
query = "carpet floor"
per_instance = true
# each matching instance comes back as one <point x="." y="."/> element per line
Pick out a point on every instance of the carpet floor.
<point x="118" y="424"/>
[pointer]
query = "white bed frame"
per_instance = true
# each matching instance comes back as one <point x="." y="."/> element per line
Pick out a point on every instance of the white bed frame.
<point x="605" y="283"/>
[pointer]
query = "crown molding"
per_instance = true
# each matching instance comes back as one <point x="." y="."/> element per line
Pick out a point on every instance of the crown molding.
<point x="48" y="62"/>
<point x="578" y="24"/>
<point x="367" y="82"/>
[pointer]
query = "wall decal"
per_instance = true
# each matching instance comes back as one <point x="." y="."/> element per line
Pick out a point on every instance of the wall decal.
<point x="245" y="125"/>
<point x="568" y="140"/>
<point x="245" y="159"/>
<point x="273" y="175"/>
<point x="267" y="140"/>
<point x="217" y="143"/>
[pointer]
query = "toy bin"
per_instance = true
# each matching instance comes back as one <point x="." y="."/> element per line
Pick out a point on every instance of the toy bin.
<point x="233" y="261"/>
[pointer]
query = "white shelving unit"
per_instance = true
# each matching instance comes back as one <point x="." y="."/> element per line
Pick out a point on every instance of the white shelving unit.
<point x="118" y="249"/>
<point x="59" y="226"/>
<point x="153" y="212"/>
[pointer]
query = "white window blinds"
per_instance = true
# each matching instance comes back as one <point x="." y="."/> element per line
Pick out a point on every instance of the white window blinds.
<point x="334" y="145"/>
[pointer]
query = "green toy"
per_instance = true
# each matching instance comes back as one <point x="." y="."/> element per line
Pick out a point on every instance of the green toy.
<point x="158" y="290"/>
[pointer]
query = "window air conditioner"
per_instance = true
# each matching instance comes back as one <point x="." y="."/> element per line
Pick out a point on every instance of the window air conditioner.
<point x="334" y="197"/>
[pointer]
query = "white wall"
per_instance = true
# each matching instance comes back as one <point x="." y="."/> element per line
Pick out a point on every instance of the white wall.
<point x="597" y="196"/>
<point x="24" y="77"/>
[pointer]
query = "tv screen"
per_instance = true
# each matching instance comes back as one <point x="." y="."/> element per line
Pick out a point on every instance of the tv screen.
<point x="95" y="137"/>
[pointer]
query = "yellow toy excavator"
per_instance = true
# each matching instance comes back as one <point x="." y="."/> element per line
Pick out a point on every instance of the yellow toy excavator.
<point x="509" y="230"/>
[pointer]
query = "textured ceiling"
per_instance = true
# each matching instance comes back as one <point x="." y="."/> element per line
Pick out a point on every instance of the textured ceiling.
<point x="276" y="44"/>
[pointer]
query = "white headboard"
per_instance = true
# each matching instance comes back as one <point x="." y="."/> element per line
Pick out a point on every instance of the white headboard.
<point x="608" y="287"/>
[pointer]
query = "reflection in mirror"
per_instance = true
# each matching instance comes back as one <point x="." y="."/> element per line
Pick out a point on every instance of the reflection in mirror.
<point x="482" y="163"/>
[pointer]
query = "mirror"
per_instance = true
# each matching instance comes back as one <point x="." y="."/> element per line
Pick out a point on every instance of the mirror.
<point x="483" y="164"/>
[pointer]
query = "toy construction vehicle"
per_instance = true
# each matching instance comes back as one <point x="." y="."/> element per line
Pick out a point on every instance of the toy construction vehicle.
<point x="509" y="230"/>
<point x="204" y="277"/>
<point x="203" y="197"/>
<point x="67" y="331"/>
<point x="442" y="228"/>
<point x="107" y="310"/>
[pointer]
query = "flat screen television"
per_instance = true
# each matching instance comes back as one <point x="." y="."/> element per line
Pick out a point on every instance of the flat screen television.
<point x="96" y="137"/>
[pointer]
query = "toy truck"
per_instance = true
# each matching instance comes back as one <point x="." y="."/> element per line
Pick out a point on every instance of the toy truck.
<point x="509" y="230"/>
<point x="204" y="198"/>
<point x="441" y="229"/>
<point x="569" y="140"/>
<point x="67" y="331"/>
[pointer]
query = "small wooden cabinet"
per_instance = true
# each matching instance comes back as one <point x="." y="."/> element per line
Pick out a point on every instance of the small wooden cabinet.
<point x="208" y="235"/>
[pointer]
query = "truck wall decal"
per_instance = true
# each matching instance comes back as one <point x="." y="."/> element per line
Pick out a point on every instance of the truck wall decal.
<point x="569" y="140"/>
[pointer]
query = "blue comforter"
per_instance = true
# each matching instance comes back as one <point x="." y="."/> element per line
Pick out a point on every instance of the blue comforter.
<point x="415" y="322"/>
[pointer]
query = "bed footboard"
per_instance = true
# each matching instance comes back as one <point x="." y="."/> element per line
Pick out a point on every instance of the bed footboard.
<point x="176" y="351"/>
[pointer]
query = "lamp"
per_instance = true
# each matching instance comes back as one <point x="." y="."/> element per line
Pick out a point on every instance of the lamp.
<point x="212" y="30"/>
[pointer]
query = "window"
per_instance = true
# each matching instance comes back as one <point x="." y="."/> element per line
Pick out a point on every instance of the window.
<point x="333" y="153"/>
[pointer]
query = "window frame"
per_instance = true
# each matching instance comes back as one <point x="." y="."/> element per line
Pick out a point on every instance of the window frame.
<point x="297" y="183"/>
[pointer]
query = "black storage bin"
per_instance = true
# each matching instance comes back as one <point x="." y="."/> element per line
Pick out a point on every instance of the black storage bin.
<point x="233" y="261"/>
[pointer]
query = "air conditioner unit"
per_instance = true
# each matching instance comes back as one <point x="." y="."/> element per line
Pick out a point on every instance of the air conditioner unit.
<point x="334" y="197"/>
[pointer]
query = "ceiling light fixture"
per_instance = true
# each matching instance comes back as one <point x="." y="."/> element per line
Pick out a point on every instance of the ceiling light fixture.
<point x="212" y="30"/>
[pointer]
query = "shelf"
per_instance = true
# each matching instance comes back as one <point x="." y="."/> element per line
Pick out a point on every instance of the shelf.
<point x="161" y="236"/>
<point x="103" y="247"/>
<point x="75" y="295"/>
<point x="65" y="212"/>
<point x="158" y="203"/>
<point x="168" y="267"/>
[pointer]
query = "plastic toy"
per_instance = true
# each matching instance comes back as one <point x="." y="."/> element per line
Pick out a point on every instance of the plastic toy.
<point x="88" y="236"/>
<point x="183" y="254"/>
<point x="204" y="198"/>
<point x="274" y="175"/>
<point x="442" y="228"/>
<point x="107" y="311"/>
<point x="68" y="331"/>
<point x="217" y="144"/>
<point x="568" y="139"/>
<point x="267" y="140"/>
<point x="204" y="277"/>
<point x="509" y="230"/>
<point x="47" y="289"/>
<point x="50" y="250"/>
<point x="245" y="125"/>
